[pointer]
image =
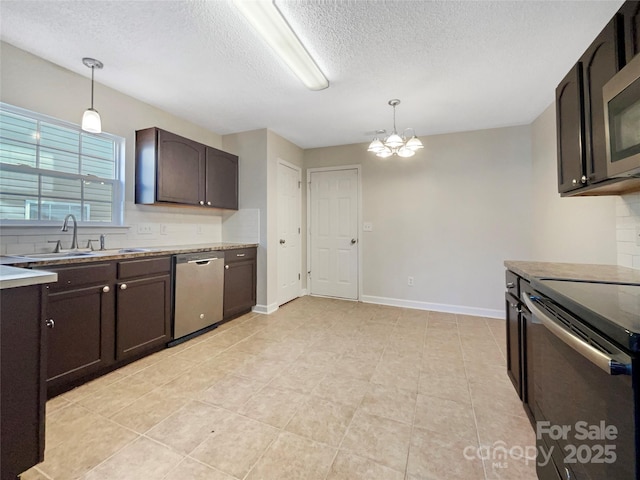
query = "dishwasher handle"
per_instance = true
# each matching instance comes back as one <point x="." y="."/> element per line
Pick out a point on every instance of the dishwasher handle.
<point x="204" y="261"/>
<point x="595" y="356"/>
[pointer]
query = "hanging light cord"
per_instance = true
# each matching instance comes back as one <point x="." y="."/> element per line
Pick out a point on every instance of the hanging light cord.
<point x="93" y="68"/>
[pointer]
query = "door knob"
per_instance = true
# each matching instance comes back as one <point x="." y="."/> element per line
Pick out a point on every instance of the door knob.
<point x="353" y="241"/>
<point x="50" y="323"/>
<point x="282" y="241"/>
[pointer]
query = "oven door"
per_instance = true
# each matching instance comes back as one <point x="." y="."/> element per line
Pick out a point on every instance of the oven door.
<point x="585" y="420"/>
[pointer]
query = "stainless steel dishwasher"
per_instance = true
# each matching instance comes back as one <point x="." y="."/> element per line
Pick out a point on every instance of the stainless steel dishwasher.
<point x="199" y="290"/>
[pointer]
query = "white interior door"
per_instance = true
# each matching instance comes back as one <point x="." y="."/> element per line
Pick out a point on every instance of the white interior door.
<point x="289" y="199"/>
<point x="334" y="233"/>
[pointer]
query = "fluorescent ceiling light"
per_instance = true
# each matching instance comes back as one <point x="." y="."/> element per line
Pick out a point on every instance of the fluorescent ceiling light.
<point x="274" y="30"/>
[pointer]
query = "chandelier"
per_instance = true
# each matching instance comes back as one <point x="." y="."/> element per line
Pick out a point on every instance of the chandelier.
<point x="395" y="144"/>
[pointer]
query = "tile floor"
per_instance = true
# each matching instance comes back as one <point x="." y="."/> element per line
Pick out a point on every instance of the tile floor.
<point x="322" y="389"/>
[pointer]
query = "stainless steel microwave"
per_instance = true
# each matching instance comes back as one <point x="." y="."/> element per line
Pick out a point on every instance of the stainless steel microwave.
<point x="622" y="121"/>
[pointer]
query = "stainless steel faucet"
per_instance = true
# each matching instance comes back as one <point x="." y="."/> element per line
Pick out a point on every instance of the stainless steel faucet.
<point x="74" y="242"/>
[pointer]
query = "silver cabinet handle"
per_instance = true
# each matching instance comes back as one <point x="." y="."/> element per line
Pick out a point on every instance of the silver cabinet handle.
<point x="583" y="179"/>
<point x="201" y="202"/>
<point x="106" y="289"/>
<point x="240" y="254"/>
<point x="574" y="182"/>
<point x="50" y="323"/>
<point x="226" y="267"/>
<point x="282" y="241"/>
<point x="123" y="286"/>
<point x="595" y="356"/>
<point x="510" y="284"/>
<point x="209" y="203"/>
<point x="353" y="241"/>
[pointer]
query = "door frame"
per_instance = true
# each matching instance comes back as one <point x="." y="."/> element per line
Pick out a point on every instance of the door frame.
<point x="358" y="169"/>
<point x="299" y="170"/>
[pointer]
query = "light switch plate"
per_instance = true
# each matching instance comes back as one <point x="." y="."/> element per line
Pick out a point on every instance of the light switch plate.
<point x="367" y="227"/>
<point x="164" y="230"/>
<point x="145" y="229"/>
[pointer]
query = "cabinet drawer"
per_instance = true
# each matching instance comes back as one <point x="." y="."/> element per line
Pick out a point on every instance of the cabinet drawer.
<point x="239" y="254"/>
<point x="81" y="275"/>
<point x="512" y="283"/>
<point x="144" y="267"/>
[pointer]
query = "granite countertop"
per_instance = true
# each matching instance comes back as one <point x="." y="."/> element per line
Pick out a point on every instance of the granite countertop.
<point x="11" y="277"/>
<point x="117" y="254"/>
<point x="574" y="271"/>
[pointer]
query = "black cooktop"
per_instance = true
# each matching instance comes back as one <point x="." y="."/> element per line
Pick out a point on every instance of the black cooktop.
<point x="611" y="308"/>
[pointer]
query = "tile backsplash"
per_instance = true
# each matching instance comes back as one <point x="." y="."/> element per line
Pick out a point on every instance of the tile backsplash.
<point x="628" y="230"/>
<point x="172" y="229"/>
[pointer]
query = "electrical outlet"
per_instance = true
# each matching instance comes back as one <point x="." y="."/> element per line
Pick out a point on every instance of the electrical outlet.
<point x="164" y="230"/>
<point x="410" y="281"/>
<point x="145" y="228"/>
<point x="367" y="227"/>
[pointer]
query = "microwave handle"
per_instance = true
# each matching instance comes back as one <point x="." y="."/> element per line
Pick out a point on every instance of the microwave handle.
<point x="595" y="356"/>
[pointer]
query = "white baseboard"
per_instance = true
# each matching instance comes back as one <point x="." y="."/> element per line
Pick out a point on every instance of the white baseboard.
<point x="265" y="309"/>
<point x="436" y="307"/>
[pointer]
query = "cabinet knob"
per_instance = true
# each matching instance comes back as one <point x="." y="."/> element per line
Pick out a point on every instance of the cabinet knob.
<point x="574" y="182"/>
<point x="510" y="284"/>
<point x="106" y="289"/>
<point x="226" y="267"/>
<point x="209" y="203"/>
<point x="123" y="286"/>
<point x="50" y="323"/>
<point x="201" y="202"/>
<point x="583" y="179"/>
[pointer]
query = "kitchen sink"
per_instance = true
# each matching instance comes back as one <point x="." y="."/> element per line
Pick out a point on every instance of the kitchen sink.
<point x="117" y="251"/>
<point x="56" y="256"/>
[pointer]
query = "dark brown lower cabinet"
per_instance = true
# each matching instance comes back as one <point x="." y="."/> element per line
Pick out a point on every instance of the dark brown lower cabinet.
<point x="239" y="281"/>
<point x="143" y="312"/>
<point x="528" y="397"/>
<point x="22" y="385"/>
<point x="80" y="320"/>
<point x="514" y="342"/>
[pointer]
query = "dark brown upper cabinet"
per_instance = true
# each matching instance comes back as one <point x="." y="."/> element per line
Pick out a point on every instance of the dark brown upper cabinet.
<point x="570" y="130"/>
<point x="171" y="169"/>
<point x="602" y="60"/>
<point x="630" y="12"/>
<point x="580" y="122"/>
<point x="221" y="184"/>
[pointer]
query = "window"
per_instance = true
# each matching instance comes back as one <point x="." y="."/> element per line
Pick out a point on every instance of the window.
<point x="50" y="168"/>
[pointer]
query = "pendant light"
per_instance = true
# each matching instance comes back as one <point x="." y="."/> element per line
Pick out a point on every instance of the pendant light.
<point x="395" y="144"/>
<point x="91" y="119"/>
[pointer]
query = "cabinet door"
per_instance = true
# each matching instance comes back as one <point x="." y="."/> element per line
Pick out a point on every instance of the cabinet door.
<point x="600" y="62"/>
<point x="221" y="179"/>
<point x="514" y="334"/>
<point x="80" y="340"/>
<point x="570" y="128"/>
<point x="22" y="396"/>
<point x="143" y="319"/>
<point x="239" y="287"/>
<point x="630" y="12"/>
<point x="181" y="170"/>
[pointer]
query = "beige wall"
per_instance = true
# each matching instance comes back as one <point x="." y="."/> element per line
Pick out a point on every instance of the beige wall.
<point x="30" y="82"/>
<point x="449" y="217"/>
<point x="260" y="151"/>
<point x="569" y="229"/>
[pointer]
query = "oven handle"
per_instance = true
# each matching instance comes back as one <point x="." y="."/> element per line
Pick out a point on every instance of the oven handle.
<point x="595" y="356"/>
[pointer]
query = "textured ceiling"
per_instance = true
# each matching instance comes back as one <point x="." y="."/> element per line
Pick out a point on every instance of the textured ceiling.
<point x="456" y="66"/>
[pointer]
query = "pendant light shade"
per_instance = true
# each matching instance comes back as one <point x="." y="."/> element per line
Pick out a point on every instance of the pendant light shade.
<point x="91" y="119"/>
<point x="395" y="144"/>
